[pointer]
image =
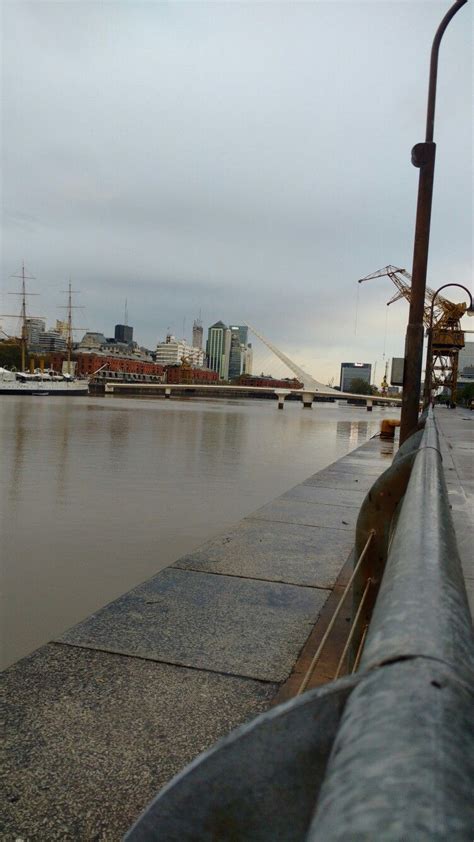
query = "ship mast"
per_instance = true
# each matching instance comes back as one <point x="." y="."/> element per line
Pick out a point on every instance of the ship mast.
<point x="70" y="329"/>
<point x="24" y="327"/>
<point x="24" y="334"/>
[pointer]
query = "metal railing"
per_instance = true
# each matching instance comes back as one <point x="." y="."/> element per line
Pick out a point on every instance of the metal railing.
<point x="385" y="753"/>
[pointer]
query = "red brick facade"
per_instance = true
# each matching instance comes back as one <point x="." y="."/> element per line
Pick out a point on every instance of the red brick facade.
<point x="187" y="374"/>
<point x="87" y="364"/>
<point x="256" y="380"/>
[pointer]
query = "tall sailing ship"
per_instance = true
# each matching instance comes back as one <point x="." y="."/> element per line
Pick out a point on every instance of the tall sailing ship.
<point x="41" y="381"/>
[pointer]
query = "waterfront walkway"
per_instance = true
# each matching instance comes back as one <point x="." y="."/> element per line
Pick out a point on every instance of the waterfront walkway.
<point x="99" y="720"/>
<point x="456" y="429"/>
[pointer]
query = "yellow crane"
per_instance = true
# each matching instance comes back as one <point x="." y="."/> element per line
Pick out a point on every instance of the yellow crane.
<point x="447" y="334"/>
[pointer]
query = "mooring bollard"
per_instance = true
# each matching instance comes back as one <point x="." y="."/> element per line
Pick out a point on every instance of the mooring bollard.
<point x="387" y="428"/>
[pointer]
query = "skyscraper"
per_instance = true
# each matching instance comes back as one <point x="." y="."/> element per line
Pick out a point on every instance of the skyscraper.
<point x="197" y="334"/>
<point x="248" y="362"/>
<point x="242" y="331"/>
<point x="218" y="349"/>
<point x="34" y="328"/>
<point x="124" y="333"/>
<point x="238" y="350"/>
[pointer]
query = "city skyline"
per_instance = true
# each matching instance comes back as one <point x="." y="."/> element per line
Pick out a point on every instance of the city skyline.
<point x="186" y="179"/>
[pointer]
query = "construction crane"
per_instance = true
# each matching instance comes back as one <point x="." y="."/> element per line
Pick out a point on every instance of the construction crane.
<point x="384" y="383"/>
<point x="447" y="334"/>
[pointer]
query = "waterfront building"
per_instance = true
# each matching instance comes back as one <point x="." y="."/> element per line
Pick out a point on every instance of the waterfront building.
<point x="186" y="373"/>
<point x="268" y="380"/>
<point x="50" y="341"/>
<point x="62" y="328"/>
<point x="173" y="351"/>
<point x="124" y="334"/>
<point x="112" y="364"/>
<point x="92" y="340"/>
<point x="466" y="361"/>
<point x="34" y="328"/>
<point x="242" y="332"/>
<point x="238" y="350"/>
<point x="218" y="349"/>
<point x="354" y="371"/>
<point x="197" y="334"/>
<point x="248" y="363"/>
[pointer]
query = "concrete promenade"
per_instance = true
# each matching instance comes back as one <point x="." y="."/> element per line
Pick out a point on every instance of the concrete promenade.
<point x="456" y="429"/>
<point x="99" y="720"/>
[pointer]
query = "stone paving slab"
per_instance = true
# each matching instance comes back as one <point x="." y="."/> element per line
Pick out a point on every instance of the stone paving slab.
<point x="342" y="480"/>
<point x="91" y="737"/>
<point x="351" y="465"/>
<point x="279" y="552"/>
<point x="309" y="514"/>
<point x="223" y="623"/>
<point x="326" y="496"/>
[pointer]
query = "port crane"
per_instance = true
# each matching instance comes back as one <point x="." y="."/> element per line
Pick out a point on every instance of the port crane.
<point x="447" y="334"/>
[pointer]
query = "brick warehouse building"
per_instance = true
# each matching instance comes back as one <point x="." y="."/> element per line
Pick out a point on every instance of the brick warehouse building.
<point x="262" y="380"/>
<point x="87" y="364"/>
<point x="187" y="374"/>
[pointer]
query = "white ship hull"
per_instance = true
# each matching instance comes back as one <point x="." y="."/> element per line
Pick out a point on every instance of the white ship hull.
<point x="24" y="385"/>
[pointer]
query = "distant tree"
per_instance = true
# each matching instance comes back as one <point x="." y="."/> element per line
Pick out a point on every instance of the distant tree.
<point x="10" y="355"/>
<point x="358" y="386"/>
<point x="466" y="394"/>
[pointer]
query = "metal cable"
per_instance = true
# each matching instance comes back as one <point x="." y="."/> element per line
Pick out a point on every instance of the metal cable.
<point x="317" y="654"/>
<point x="360" y="650"/>
<point x="353" y="628"/>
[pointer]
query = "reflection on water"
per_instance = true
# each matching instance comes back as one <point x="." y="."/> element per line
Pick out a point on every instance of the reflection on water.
<point x="100" y="493"/>
<point x="356" y="432"/>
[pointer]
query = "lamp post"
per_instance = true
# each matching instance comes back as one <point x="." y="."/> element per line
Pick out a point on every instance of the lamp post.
<point x="422" y="156"/>
<point x="429" y="353"/>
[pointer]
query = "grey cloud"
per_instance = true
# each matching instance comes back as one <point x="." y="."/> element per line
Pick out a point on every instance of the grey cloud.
<point x="251" y="160"/>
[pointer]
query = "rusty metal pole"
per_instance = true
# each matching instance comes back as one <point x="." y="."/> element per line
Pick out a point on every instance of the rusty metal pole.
<point x="422" y="156"/>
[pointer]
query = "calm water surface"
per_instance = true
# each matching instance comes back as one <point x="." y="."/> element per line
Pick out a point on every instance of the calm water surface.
<point x="98" y="494"/>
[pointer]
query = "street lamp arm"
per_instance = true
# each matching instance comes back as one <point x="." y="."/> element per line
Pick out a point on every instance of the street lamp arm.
<point x="434" y="67"/>
<point x="461" y="286"/>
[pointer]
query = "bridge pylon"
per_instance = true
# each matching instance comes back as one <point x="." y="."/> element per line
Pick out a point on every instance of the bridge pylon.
<point x="310" y="385"/>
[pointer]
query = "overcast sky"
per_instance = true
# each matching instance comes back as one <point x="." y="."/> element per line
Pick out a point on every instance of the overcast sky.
<point x="247" y="160"/>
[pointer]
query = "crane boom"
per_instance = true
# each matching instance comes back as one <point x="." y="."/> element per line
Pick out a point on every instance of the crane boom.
<point x="402" y="280"/>
<point x="442" y="317"/>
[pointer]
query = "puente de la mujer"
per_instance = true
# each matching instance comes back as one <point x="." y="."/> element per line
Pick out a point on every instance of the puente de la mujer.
<point x="311" y="386"/>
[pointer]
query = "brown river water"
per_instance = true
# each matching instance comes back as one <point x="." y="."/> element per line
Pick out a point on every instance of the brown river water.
<point x="98" y="494"/>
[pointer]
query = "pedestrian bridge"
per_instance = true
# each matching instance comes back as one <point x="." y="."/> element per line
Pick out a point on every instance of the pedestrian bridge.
<point x="307" y="394"/>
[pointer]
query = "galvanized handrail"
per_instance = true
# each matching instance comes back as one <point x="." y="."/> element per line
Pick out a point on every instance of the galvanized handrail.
<point x="402" y="764"/>
<point x="386" y="753"/>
